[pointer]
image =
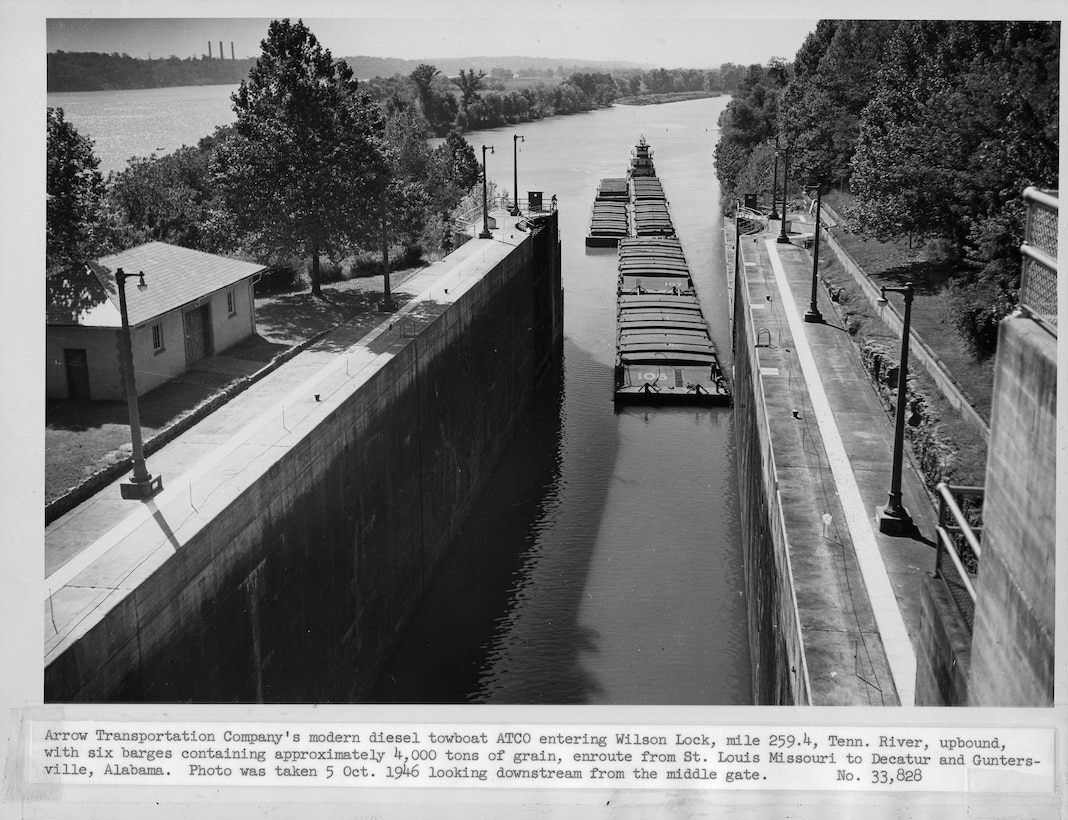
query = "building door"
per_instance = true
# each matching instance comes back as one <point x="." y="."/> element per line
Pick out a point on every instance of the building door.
<point x="197" y="333"/>
<point x="77" y="365"/>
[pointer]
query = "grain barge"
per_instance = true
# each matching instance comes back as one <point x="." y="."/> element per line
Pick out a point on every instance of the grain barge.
<point x="664" y="350"/>
<point x="610" y="216"/>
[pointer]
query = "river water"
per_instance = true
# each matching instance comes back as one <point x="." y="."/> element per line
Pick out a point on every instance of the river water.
<point x="602" y="565"/>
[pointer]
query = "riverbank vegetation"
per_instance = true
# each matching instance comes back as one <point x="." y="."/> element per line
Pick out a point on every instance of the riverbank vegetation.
<point x="475" y="99"/>
<point x="929" y="129"/>
<point x="320" y="173"/>
<point x="313" y="169"/>
<point x="93" y="71"/>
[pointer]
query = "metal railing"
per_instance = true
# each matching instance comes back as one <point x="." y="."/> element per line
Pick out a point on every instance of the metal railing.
<point x="750" y="221"/>
<point x="957" y="561"/>
<point x="473" y="215"/>
<point x="1038" y="284"/>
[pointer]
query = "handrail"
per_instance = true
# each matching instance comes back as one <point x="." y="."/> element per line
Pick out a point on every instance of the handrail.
<point x="501" y="202"/>
<point x="951" y="523"/>
<point x="1039" y="274"/>
<point x="1033" y="194"/>
<point x="949" y="504"/>
<point x="753" y="218"/>
<point x="947" y="547"/>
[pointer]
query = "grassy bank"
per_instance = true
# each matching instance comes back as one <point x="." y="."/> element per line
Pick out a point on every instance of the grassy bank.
<point x="962" y="458"/>
<point x="896" y="262"/>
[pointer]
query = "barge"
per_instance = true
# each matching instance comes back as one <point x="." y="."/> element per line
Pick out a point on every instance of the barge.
<point x="664" y="348"/>
<point x="610" y="216"/>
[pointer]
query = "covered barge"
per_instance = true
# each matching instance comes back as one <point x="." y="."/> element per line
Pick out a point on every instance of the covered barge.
<point x="664" y="349"/>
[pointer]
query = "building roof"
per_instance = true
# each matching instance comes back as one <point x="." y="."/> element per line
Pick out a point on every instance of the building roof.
<point x="175" y="277"/>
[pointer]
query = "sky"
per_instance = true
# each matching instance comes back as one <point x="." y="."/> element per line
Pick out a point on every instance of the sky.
<point x="665" y="33"/>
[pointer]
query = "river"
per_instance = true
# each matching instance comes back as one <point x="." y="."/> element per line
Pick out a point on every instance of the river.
<point x="602" y="565"/>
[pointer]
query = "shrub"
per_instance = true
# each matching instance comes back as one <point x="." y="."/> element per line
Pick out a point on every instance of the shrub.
<point x="978" y="306"/>
<point x="369" y="263"/>
<point x="280" y="277"/>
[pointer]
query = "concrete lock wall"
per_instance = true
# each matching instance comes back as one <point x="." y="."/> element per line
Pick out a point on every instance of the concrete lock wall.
<point x="298" y="589"/>
<point x="774" y="637"/>
<point x="943" y="649"/>
<point x="1015" y="595"/>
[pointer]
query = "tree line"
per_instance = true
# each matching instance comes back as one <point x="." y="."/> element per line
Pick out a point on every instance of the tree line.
<point x="93" y="71"/>
<point x="311" y="168"/>
<point x="933" y="127"/>
<point x="475" y="100"/>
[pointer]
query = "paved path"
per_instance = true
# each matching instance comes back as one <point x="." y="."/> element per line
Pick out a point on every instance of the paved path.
<point x="839" y="458"/>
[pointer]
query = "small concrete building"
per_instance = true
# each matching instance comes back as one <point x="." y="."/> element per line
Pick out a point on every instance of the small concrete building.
<point x="195" y="304"/>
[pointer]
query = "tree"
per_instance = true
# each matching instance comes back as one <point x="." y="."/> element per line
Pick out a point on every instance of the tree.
<point x="834" y="78"/>
<point x="749" y="119"/>
<point x="599" y="88"/>
<point x="408" y="160"/>
<point x="75" y="194"/>
<point x="454" y="172"/>
<point x="944" y="146"/>
<point x="303" y="166"/>
<point x="469" y="84"/>
<point x="423" y="77"/>
<point x="171" y="198"/>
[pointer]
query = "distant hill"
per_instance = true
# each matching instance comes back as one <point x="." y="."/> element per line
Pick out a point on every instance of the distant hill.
<point x="93" y="71"/>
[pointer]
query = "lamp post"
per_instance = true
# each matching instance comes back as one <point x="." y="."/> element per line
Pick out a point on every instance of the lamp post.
<point x="141" y="483"/>
<point x="387" y="305"/>
<point x="783" y="238"/>
<point x="775" y="184"/>
<point x="894" y="518"/>
<point x="813" y="313"/>
<point x="516" y="139"/>
<point x="485" y="209"/>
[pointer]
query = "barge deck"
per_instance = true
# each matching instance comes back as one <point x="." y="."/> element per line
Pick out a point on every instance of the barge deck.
<point x="664" y="348"/>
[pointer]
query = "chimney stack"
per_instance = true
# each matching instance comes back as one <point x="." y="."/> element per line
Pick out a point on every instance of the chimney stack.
<point x="209" y="49"/>
<point x="222" y="56"/>
<point x="231" y="49"/>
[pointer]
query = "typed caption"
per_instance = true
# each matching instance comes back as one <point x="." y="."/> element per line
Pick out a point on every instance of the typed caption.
<point x="532" y="756"/>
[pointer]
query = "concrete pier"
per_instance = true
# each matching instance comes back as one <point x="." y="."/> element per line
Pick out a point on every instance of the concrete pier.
<point x="300" y="522"/>
<point x="834" y="604"/>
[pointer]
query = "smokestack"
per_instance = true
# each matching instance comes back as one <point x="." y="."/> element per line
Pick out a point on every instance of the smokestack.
<point x="222" y="56"/>
<point x="231" y="49"/>
<point x="209" y="49"/>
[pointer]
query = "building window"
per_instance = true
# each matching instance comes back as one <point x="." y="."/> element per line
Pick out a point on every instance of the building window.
<point x="231" y="303"/>
<point x="157" y="338"/>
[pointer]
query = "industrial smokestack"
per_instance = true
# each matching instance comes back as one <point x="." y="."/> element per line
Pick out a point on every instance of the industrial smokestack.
<point x="209" y="49"/>
<point x="232" y="50"/>
<point x="222" y="55"/>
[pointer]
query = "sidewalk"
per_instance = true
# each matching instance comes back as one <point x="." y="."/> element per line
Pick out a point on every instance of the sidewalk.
<point x="98" y="552"/>
<point x="835" y="453"/>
